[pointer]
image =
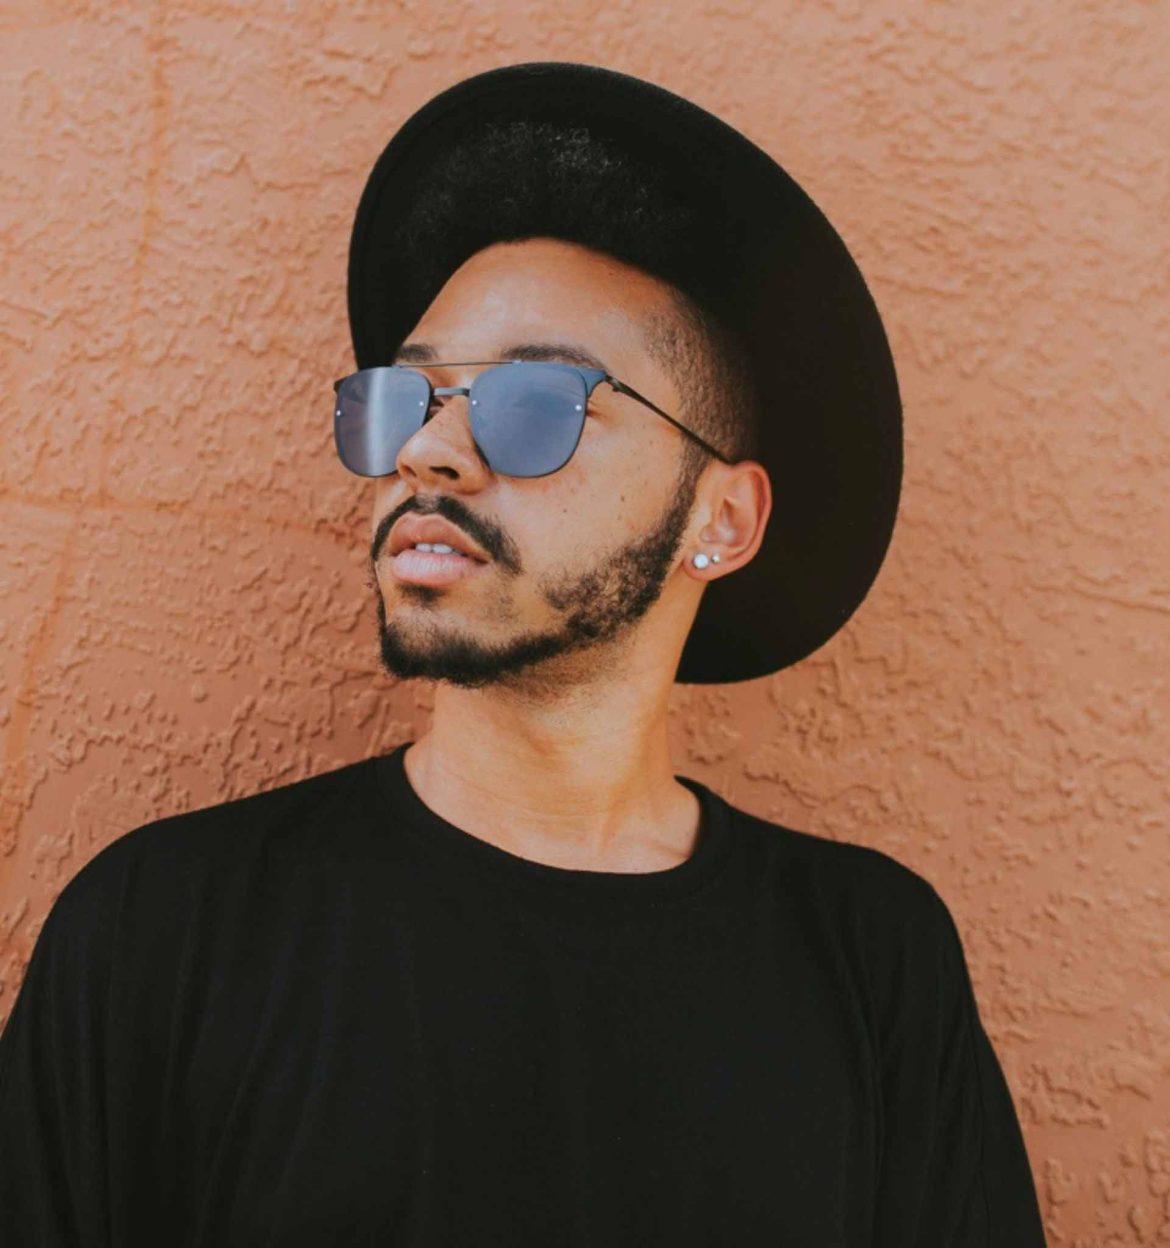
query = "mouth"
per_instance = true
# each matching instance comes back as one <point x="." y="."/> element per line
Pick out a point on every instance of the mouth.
<point x="422" y="567"/>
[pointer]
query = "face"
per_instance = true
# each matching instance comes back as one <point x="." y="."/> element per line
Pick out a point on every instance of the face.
<point x="578" y="558"/>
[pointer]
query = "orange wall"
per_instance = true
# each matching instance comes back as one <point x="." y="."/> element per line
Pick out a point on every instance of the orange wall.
<point x="184" y="616"/>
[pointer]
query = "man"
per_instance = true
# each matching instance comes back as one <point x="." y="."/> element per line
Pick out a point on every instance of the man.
<point x="516" y="982"/>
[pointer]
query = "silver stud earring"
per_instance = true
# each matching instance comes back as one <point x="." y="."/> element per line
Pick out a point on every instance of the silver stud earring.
<point x="701" y="560"/>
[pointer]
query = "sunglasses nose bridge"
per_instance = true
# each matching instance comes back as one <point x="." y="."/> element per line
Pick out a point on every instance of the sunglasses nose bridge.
<point x="448" y="392"/>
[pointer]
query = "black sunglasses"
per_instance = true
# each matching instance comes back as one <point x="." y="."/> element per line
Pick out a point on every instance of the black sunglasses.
<point x="526" y="415"/>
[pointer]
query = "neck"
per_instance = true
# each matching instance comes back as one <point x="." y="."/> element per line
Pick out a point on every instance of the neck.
<point x="577" y="777"/>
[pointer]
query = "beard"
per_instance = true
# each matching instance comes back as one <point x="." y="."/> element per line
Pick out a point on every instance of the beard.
<point x="596" y="607"/>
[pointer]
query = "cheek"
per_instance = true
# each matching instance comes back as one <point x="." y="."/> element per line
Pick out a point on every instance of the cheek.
<point x="551" y="519"/>
<point x="591" y="505"/>
<point x="383" y="500"/>
<point x="633" y="458"/>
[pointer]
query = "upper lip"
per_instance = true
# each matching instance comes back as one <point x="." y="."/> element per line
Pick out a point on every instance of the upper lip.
<point x="415" y="528"/>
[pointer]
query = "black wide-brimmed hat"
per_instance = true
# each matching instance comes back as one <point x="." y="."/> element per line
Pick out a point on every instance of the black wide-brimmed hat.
<point x="746" y="243"/>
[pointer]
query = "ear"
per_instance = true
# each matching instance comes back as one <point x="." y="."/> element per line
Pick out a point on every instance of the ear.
<point x="737" y="500"/>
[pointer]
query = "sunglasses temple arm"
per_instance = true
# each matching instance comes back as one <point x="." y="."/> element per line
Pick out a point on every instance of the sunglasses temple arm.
<point x="622" y="388"/>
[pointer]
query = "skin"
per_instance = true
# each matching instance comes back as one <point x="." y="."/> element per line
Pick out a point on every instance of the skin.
<point x="554" y="663"/>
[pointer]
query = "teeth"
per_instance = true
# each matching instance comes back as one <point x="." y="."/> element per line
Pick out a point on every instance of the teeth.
<point x="438" y="548"/>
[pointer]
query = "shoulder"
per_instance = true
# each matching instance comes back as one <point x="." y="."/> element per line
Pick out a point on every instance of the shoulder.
<point x="861" y="879"/>
<point x="882" y="917"/>
<point x="198" y="846"/>
<point x="884" y="923"/>
<point x="142" y="903"/>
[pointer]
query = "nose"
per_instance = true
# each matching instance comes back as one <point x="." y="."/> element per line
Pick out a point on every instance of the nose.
<point x="444" y="448"/>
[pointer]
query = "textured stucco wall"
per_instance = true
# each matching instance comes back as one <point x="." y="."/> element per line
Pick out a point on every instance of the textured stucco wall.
<point x="183" y="611"/>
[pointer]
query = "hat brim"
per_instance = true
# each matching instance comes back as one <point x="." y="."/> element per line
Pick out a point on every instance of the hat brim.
<point x="831" y="416"/>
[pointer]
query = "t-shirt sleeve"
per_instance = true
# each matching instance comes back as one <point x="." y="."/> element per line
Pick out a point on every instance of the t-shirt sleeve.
<point x="954" y="1172"/>
<point x="52" y="1104"/>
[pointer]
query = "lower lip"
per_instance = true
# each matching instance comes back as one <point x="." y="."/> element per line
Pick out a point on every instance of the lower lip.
<point x="420" y="567"/>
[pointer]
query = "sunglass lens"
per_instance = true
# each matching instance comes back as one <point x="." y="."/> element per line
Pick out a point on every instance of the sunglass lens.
<point x="376" y="411"/>
<point x="527" y="418"/>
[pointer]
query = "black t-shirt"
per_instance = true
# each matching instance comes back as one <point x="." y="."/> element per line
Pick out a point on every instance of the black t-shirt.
<point x="323" y="1015"/>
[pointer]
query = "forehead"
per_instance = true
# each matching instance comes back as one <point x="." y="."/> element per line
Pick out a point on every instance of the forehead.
<point x="539" y="288"/>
